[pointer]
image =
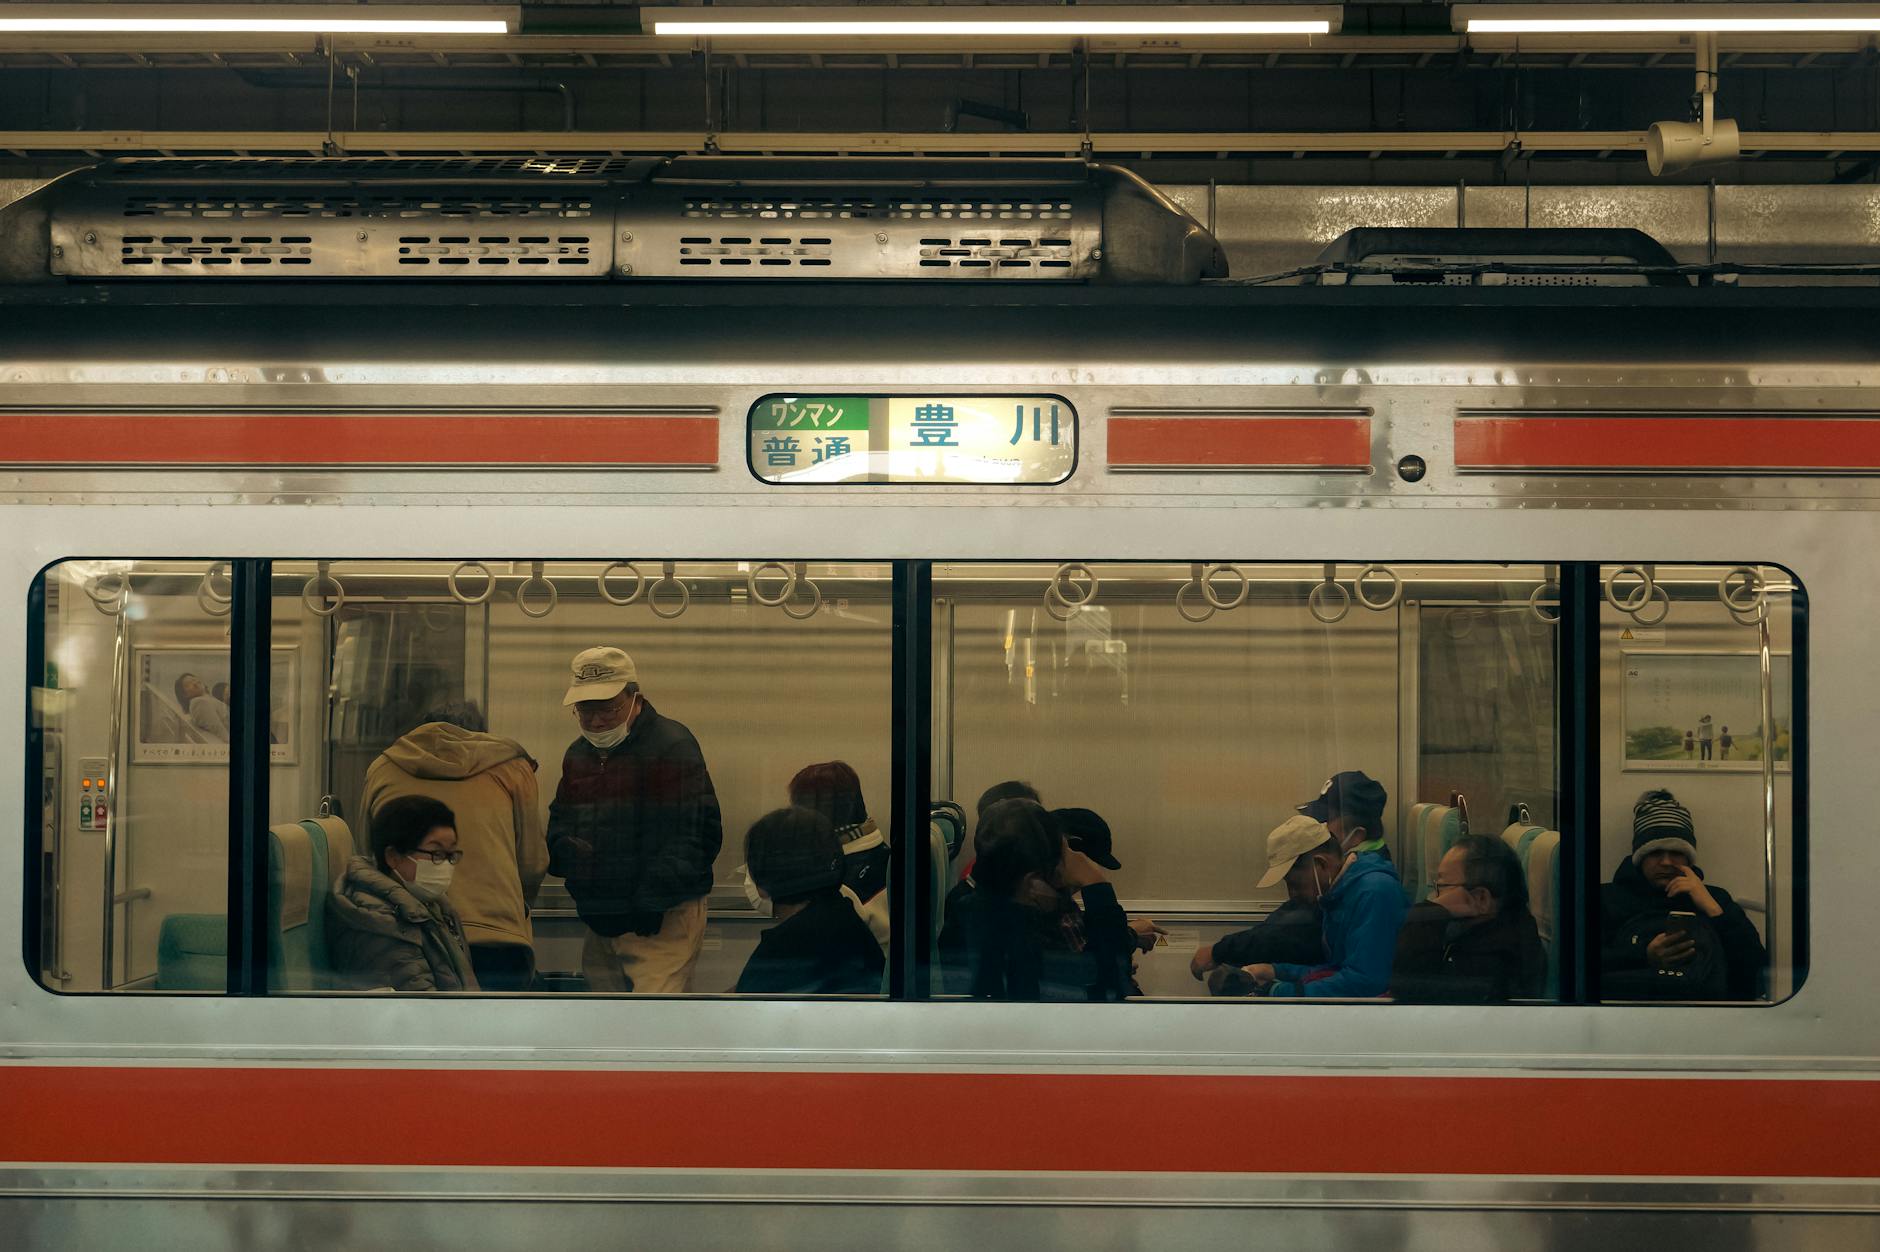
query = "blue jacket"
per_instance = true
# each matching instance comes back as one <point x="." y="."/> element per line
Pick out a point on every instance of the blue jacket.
<point x="1362" y="914"/>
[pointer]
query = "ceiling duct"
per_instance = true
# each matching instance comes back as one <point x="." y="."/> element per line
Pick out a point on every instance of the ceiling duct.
<point x="604" y="219"/>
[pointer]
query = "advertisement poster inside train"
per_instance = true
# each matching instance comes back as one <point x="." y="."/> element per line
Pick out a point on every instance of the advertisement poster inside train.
<point x="1703" y="710"/>
<point x="182" y="707"/>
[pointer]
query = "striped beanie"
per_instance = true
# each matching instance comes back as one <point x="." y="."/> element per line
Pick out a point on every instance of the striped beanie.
<point x="1659" y="824"/>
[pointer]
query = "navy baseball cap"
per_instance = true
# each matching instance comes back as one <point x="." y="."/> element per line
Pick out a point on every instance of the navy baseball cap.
<point x="1352" y="794"/>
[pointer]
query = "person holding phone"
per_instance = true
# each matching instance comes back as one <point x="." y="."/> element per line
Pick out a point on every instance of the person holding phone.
<point x="1665" y="932"/>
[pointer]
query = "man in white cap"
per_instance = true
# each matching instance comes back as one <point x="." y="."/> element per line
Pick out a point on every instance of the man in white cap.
<point x="1290" y="933"/>
<point x="634" y="829"/>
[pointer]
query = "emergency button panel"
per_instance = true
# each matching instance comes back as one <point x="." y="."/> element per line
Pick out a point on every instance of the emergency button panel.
<point x="93" y="805"/>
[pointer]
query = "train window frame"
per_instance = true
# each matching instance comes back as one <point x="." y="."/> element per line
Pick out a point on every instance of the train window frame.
<point x="1076" y="432"/>
<point x="911" y="963"/>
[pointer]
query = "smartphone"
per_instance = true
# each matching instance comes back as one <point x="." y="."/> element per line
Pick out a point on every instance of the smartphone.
<point x="1683" y="923"/>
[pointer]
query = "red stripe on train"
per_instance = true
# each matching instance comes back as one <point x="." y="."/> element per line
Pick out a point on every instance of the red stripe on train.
<point x="1650" y="1127"/>
<point x="1697" y="444"/>
<point x="1241" y="443"/>
<point x="356" y="439"/>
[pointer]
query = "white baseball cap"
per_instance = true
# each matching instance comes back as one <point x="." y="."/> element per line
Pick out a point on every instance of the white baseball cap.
<point x="1289" y="841"/>
<point x="600" y="674"/>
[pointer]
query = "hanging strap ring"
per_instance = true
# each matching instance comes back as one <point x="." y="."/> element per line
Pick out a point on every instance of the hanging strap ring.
<point x="315" y="596"/>
<point x="219" y="570"/>
<point x="1057" y="610"/>
<point x="1182" y="595"/>
<point x="537" y="578"/>
<point x="210" y="605"/>
<point x="802" y="613"/>
<point x="1744" y="591"/>
<point x="456" y="590"/>
<point x="1390" y="600"/>
<point x="1538" y="597"/>
<point x="1206" y="581"/>
<point x="1316" y="598"/>
<point x="782" y="597"/>
<point x="639" y="583"/>
<point x="107" y="591"/>
<point x="1064" y="581"/>
<point x="1459" y="624"/>
<point x="1657" y="593"/>
<point x="1631" y="603"/>
<point x="652" y="595"/>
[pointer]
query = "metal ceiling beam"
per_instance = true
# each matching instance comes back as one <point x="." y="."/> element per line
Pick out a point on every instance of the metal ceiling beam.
<point x="782" y="143"/>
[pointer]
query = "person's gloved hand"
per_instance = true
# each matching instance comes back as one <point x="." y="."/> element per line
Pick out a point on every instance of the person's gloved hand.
<point x="645" y="923"/>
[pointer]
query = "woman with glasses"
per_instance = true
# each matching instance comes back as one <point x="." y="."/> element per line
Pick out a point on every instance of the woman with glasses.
<point x="389" y="923"/>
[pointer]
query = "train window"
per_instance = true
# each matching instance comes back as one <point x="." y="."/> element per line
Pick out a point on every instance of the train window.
<point x="1029" y="439"/>
<point x="1220" y="741"/>
<point x="1699" y="898"/>
<point x="603" y="737"/>
<point x="130" y="714"/>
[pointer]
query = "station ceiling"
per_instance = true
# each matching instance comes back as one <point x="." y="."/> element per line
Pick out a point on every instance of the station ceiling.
<point x="1396" y="96"/>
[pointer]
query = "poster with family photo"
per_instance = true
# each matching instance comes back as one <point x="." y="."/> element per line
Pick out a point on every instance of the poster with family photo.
<point x="1703" y="710"/>
<point x="181" y="707"/>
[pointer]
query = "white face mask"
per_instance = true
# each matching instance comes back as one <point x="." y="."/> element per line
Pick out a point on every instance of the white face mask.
<point x="751" y="892"/>
<point x="606" y="740"/>
<point x="433" y="880"/>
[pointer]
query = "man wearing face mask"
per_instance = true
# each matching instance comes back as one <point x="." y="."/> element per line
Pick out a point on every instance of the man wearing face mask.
<point x="1473" y="941"/>
<point x="633" y="829"/>
<point x="1360" y="898"/>
<point x="389" y="923"/>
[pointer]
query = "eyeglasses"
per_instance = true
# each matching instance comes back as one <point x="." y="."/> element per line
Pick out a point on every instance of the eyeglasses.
<point x="439" y="858"/>
<point x="1444" y="886"/>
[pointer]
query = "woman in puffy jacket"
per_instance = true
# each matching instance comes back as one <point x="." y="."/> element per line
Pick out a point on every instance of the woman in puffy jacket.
<point x="389" y="923"/>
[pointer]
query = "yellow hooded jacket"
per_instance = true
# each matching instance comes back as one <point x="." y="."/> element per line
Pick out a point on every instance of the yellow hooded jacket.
<point x="489" y="783"/>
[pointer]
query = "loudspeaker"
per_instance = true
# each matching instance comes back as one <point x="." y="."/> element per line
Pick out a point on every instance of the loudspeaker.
<point x="1674" y="146"/>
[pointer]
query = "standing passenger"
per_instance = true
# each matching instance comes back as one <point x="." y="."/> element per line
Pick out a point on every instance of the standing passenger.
<point x="819" y="945"/>
<point x="634" y="829"/>
<point x="489" y="783"/>
<point x="390" y="923"/>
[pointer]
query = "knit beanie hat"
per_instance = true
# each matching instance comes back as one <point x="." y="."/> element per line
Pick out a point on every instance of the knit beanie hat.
<point x="793" y="852"/>
<point x="1660" y="823"/>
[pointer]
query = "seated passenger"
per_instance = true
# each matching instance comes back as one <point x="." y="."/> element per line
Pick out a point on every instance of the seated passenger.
<point x="1359" y="896"/>
<point x="1665" y="933"/>
<point x="489" y="783"/>
<point x="1290" y="933"/>
<point x="951" y="944"/>
<point x="1351" y="805"/>
<point x="388" y="921"/>
<point x="1473" y="941"/>
<point x="835" y="790"/>
<point x="1087" y="832"/>
<point x="1025" y="936"/>
<point x="819" y="945"/>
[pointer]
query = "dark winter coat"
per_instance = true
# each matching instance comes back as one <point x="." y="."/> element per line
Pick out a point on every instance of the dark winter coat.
<point x="1007" y="951"/>
<point x="1729" y="964"/>
<point x="1446" y="960"/>
<point x="825" y="949"/>
<point x="381" y="935"/>
<point x="1289" y="935"/>
<point x="634" y="831"/>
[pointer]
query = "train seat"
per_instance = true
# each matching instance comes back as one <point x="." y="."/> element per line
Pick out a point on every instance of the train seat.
<point x="192" y="952"/>
<point x="304" y="858"/>
<point x="1539" y="851"/>
<point x="1432" y="830"/>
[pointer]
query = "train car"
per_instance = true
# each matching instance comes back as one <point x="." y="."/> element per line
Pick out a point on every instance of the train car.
<point x="1165" y="547"/>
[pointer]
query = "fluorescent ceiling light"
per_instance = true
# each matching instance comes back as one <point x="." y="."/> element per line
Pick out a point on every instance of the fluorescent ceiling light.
<point x="1682" y="19"/>
<point x="936" y="21"/>
<point x="310" y="19"/>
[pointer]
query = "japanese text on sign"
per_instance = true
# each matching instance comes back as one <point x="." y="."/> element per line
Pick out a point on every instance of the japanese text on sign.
<point x="913" y="439"/>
